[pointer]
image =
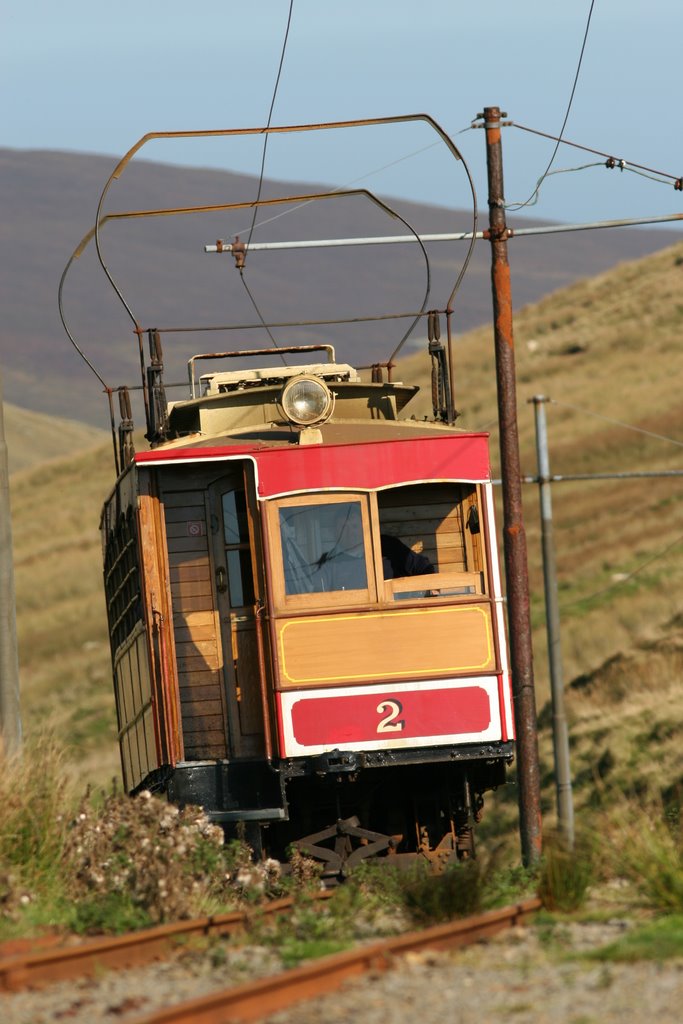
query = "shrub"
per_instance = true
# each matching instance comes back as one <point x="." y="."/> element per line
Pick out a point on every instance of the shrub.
<point x="645" y="845"/>
<point x="34" y="811"/>
<point x="143" y="859"/>
<point x="456" y="892"/>
<point x="565" y="873"/>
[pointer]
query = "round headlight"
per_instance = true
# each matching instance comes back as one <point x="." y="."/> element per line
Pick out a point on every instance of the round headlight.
<point x="306" y="400"/>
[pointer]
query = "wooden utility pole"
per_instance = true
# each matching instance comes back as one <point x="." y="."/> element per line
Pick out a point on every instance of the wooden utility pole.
<point x="514" y="537"/>
<point x="10" y="715"/>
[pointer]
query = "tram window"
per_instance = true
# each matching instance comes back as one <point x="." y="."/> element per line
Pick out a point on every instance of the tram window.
<point x="237" y="554"/>
<point x="323" y="547"/>
<point x="235" y="525"/>
<point x="426" y="550"/>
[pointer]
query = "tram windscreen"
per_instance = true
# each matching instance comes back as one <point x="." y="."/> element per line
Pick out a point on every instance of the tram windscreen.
<point x="323" y="547"/>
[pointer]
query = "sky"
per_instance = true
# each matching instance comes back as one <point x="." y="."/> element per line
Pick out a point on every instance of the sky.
<point x="90" y="77"/>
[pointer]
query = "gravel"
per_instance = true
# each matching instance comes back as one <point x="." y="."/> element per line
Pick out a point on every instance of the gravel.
<point x="525" y="975"/>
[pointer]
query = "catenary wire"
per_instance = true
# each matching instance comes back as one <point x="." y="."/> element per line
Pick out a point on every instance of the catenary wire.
<point x="519" y="206"/>
<point x="620" y="582"/>
<point x="260" y="184"/>
<point x="355" y="181"/>
<point x="270" y="117"/>
<point x="613" y="162"/>
<point x="617" y="423"/>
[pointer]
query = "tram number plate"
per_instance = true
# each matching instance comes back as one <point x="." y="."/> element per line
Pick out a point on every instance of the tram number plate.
<point x="390" y="709"/>
<point x="331" y="719"/>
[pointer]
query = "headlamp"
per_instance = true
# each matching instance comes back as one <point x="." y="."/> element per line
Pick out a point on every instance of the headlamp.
<point x="307" y="400"/>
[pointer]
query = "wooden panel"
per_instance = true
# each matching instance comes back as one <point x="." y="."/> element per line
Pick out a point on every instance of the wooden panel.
<point x="182" y="499"/>
<point x="188" y="527"/>
<point x="125" y="687"/>
<point x="199" y="691"/>
<point x="142" y="747"/>
<point x="420" y="643"/>
<point x="250" y="708"/>
<point x="201" y="678"/>
<point x="184" y="512"/>
<point x="199" y="737"/>
<point x="205" y="748"/>
<point x="141" y="666"/>
<point x="126" y="762"/>
<point x="177" y="545"/>
<point x="405" y="514"/>
<point x="197" y="648"/>
<point x="194" y="619"/>
<point x="198" y="619"/>
<point x="196" y="664"/>
<point x="190" y="604"/>
<point x="194" y="588"/>
<point x="187" y="561"/>
<point x="134" y="757"/>
<point x="195" y="634"/>
<point x="202" y="722"/>
<point x="187" y="572"/>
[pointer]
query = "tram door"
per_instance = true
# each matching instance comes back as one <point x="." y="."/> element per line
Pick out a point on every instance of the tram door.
<point x="232" y="518"/>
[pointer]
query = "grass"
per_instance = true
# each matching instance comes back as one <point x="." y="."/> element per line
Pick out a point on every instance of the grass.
<point x="565" y="873"/>
<point x="658" y="940"/>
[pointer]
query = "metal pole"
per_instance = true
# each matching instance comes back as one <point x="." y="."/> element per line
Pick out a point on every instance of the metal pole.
<point x="10" y="714"/>
<point x="460" y="236"/>
<point x="563" y="778"/>
<point x="516" y="570"/>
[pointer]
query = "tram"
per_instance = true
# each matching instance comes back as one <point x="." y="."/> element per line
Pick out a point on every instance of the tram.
<point x="304" y="603"/>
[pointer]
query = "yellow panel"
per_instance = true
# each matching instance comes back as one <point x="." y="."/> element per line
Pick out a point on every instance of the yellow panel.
<point x="359" y="647"/>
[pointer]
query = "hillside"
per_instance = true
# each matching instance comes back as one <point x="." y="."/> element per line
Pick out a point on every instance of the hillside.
<point x="48" y="202"/>
<point x="603" y="350"/>
<point x="33" y="437"/>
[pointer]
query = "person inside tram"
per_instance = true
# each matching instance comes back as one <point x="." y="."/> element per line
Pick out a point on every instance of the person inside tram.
<point x="399" y="560"/>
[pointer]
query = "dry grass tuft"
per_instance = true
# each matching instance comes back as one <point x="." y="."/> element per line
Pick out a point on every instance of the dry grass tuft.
<point x="643" y="843"/>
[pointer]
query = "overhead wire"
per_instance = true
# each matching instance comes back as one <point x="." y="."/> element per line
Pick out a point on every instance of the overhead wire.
<point x="519" y="206"/>
<point x="612" y="161"/>
<point x="362" y="177"/>
<point x="617" y="423"/>
<point x="260" y="184"/>
<point x="624" y="579"/>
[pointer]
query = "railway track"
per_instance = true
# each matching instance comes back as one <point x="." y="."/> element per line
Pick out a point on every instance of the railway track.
<point x="251" y="1000"/>
<point x="65" y="963"/>
<point x="255" y="1000"/>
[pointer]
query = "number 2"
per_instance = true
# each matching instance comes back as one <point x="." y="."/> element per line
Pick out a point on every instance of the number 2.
<point x="389" y="723"/>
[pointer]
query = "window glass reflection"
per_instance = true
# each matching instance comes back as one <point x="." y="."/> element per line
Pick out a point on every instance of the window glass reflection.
<point x="323" y="547"/>
<point x="235" y="528"/>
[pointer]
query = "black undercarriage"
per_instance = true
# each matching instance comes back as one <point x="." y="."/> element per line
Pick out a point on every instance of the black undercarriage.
<point x="343" y="807"/>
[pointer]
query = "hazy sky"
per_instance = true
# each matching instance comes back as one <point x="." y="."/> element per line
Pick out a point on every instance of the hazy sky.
<point x="93" y="77"/>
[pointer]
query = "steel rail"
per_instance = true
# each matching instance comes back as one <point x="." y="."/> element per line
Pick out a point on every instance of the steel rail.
<point x="64" y="963"/>
<point x="254" y="1000"/>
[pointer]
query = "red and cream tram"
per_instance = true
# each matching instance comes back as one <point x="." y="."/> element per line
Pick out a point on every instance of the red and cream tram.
<point x="305" y="609"/>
